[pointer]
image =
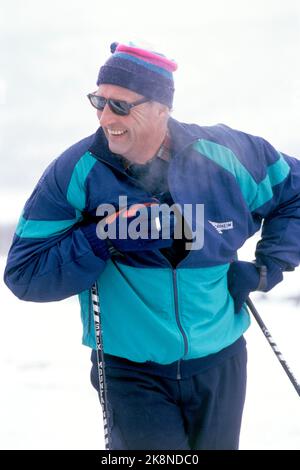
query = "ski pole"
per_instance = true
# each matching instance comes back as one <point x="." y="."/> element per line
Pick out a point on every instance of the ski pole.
<point x="100" y="363"/>
<point x="273" y="345"/>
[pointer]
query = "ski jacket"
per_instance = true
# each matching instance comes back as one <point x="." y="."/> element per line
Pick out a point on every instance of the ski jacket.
<point x="150" y="310"/>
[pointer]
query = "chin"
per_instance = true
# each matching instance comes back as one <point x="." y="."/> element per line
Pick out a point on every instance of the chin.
<point x="116" y="148"/>
<point x="134" y="160"/>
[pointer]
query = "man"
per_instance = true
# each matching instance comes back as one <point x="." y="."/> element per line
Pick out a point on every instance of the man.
<point x="173" y="312"/>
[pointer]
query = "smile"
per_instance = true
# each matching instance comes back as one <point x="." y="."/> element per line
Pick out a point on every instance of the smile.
<point x="114" y="132"/>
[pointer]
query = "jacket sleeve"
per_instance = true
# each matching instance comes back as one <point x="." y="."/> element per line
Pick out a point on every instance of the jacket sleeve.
<point x="50" y="258"/>
<point x="276" y="201"/>
<point x="280" y="236"/>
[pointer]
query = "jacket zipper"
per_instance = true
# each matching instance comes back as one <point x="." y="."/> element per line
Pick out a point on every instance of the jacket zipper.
<point x="178" y="321"/>
<point x="178" y="375"/>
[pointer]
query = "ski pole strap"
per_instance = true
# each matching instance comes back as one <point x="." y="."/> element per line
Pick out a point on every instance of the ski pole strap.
<point x="263" y="281"/>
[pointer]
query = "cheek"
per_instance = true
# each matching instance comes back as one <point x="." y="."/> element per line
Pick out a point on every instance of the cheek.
<point x="142" y="127"/>
<point x="141" y="133"/>
<point x="145" y="126"/>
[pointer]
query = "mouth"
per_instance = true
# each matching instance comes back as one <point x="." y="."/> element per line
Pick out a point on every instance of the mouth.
<point x="116" y="133"/>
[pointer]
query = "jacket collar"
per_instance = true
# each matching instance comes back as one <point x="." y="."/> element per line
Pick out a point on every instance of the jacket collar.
<point x="100" y="149"/>
<point x="182" y="136"/>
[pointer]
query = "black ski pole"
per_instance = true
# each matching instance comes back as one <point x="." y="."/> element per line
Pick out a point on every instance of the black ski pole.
<point x="273" y="345"/>
<point x="100" y="363"/>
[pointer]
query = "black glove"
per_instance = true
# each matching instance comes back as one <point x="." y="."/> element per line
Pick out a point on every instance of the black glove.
<point x="245" y="277"/>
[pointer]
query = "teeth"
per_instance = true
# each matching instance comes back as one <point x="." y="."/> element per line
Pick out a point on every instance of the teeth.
<point x="113" y="132"/>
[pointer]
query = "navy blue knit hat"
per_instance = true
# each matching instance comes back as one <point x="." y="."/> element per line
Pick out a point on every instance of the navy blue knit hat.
<point x="145" y="72"/>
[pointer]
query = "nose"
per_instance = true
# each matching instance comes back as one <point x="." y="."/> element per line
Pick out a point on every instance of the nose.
<point x="106" y="117"/>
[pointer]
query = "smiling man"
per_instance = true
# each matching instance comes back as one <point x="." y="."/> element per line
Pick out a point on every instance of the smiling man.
<point x="173" y="313"/>
<point x="138" y="136"/>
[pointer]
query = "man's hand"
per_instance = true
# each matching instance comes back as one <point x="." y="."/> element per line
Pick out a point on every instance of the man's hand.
<point x="143" y="226"/>
<point x="244" y="277"/>
<point x="140" y="227"/>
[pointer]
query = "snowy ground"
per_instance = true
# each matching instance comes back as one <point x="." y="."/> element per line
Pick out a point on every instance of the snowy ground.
<point x="46" y="399"/>
<point x="48" y="403"/>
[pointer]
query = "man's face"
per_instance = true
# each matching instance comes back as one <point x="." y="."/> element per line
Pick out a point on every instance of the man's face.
<point x="137" y="136"/>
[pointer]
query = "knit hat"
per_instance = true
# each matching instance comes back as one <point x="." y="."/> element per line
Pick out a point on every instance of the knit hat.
<point x="146" y="72"/>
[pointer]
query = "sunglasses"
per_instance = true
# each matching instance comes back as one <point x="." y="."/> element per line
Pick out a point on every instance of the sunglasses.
<point x="122" y="108"/>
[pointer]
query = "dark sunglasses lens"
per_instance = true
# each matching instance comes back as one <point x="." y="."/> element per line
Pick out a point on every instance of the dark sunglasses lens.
<point x="119" y="107"/>
<point x="97" y="101"/>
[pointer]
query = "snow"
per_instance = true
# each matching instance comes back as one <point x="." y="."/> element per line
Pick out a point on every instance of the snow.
<point x="11" y="204"/>
<point x="47" y="401"/>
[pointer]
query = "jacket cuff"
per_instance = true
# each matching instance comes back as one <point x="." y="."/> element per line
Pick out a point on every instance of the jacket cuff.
<point x="99" y="246"/>
<point x="270" y="273"/>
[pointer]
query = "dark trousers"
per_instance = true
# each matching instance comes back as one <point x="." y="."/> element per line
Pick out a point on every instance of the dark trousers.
<point x="150" y="412"/>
